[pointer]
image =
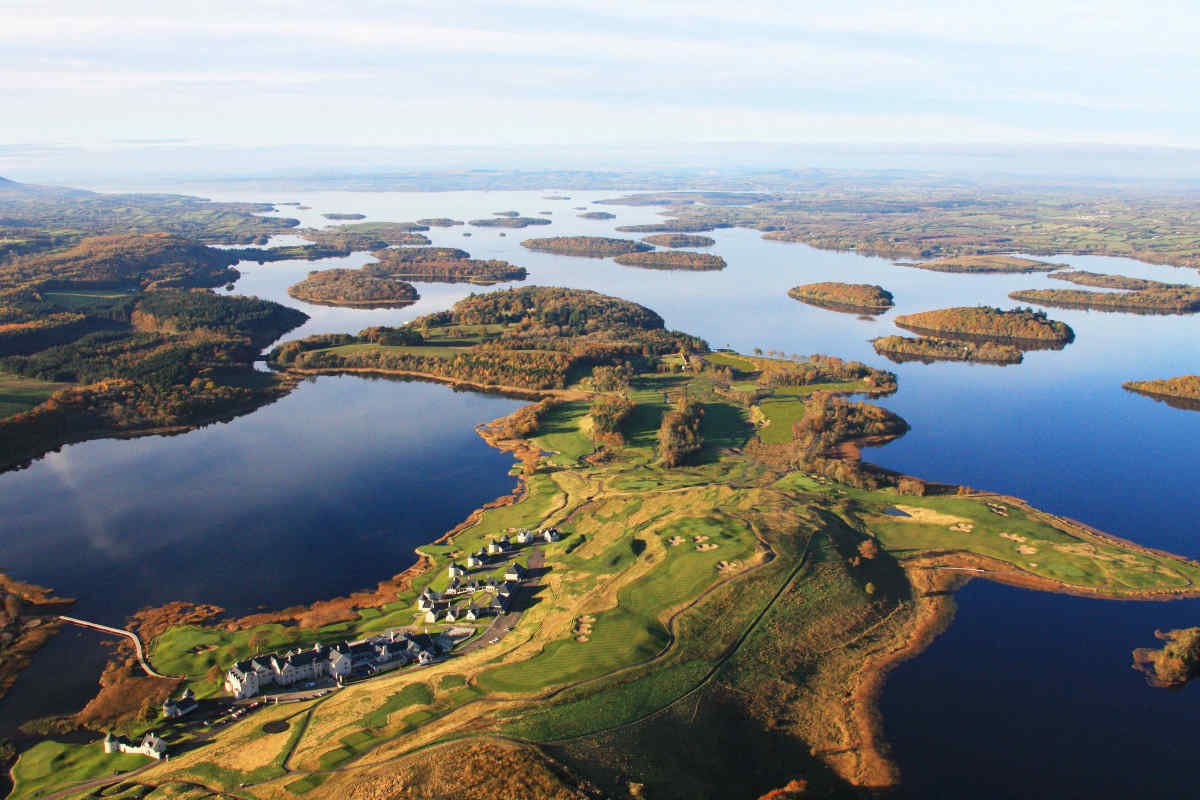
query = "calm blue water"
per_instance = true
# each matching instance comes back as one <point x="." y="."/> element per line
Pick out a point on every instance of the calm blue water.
<point x="317" y="484"/>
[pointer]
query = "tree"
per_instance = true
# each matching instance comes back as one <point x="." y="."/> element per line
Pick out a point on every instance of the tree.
<point x="13" y="605"/>
<point x="259" y="638"/>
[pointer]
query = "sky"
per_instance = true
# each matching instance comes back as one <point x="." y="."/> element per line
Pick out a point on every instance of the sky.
<point x="573" y="74"/>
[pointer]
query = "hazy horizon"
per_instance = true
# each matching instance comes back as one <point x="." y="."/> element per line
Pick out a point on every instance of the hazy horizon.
<point x="268" y="86"/>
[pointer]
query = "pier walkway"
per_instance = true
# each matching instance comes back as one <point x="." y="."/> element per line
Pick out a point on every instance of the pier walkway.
<point x="130" y="635"/>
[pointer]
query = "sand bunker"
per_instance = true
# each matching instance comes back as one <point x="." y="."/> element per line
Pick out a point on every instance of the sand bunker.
<point x="727" y="566"/>
<point x="704" y="547"/>
<point x="675" y="541"/>
<point x="699" y="538"/>
<point x="581" y="638"/>
<point x="1014" y="537"/>
<point x="962" y="527"/>
<point x="929" y="517"/>
<point x="1026" y="550"/>
<point x="997" y="508"/>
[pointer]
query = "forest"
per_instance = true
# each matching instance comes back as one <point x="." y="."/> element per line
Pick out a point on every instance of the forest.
<point x="589" y="246"/>
<point x="531" y="338"/>
<point x="679" y="435"/>
<point x="672" y="260"/>
<point x="1016" y="326"/>
<point x="852" y="297"/>
<point x="353" y="287"/>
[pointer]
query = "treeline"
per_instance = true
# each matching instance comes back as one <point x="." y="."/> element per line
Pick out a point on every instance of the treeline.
<point x="854" y="297"/>
<point x="673" y="259"/>
<point x="929" y="349"/>
<point x="679" y="240"/>
<point x="1017" y="325"/>
<point x="674" y="226"/>
<point x="353" y="287"/>
<point x="1100" y="280"/>
<point x="591" y="246"/>
<point x="610" y="412"/>
<point x="679" y="436"/>
<point x="1147" y="301"/>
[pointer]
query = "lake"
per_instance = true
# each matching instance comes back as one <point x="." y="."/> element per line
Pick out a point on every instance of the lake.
<point x="324" y="482"/>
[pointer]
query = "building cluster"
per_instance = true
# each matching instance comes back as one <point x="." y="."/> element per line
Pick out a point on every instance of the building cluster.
<point x="442" y="607"/>
<point x="337" y="661"/>
<point x="151" y="745"/>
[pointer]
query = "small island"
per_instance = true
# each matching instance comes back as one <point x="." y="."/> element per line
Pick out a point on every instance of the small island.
<point x="556" y="197"/>
<point x="684" y="260"/>
<point x="508" y="222"/>
<point x="586" y="246"/>
<point x="367" y="235"/>
<point x="354" y="288"/>
<point x="983" y="264"/>
<point x="441" y="265"/>
<point x="597" y="215"/>
<point x="1147" y="301"/>
<point x="1175" y="663"/>
<point x="674" y="226"/>
<point x="337" y="216"/>
<point x="927" y="350"/>
<point x="1024" y="327"/>
<point x="1100" y="280"/>
<point x="679" y="240"/>
<point x="440" y="222"/>
<point x="1182" y="392"/>
<point x="855" y="298"/>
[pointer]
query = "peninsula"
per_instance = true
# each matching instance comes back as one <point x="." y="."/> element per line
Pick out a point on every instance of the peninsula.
<point x="1182" y="392"/>
<point x="694" y="546"/>
<point x="855" y="298"/>
<point x="1144" y="301"/>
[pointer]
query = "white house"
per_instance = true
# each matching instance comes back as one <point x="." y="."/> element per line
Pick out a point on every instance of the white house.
<point x="151" y="745"/>
<point x="551" y="535"/>
<point x="456" y="570"/>
<point x="186" y="704"/>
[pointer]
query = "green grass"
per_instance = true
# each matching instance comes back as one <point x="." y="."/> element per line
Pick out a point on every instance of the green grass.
<point x="80" y="300"/>
<point x="49" y="765"/>
<point x="305" y="784"/>
<point x="611" y="706"/>
<point x="19" y="394"/>
<point x="781" y="415"/>
<point x="739" y="363"/>
<point x="559" y="432"/>
<point x="415" y="694"/>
